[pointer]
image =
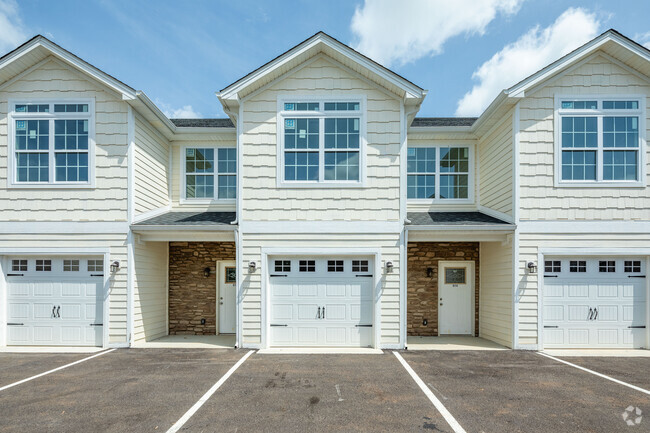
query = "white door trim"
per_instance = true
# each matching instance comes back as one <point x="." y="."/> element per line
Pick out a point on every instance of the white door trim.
<point x="265" y="299"/>
<point x="4" y="266"/>
<point x="218" y="276"/>
<point x="471" y="266"/>
<point x="544" y="252"/>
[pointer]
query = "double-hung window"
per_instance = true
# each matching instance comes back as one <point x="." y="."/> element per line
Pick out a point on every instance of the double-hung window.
<point x="210" y="173"/>
<point x="321" y="142"/>
<point x="438" y="173"/>
<point x="52" y="142"/>
<point x="600" y="140"/>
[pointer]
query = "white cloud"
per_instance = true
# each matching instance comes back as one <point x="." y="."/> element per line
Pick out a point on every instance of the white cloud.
<point x="185" y="112"/>
<point x="12" y="29"/>
<point x="531" y="52"/>
<point x="643" y="39"/>
<point x="391" y="31"/>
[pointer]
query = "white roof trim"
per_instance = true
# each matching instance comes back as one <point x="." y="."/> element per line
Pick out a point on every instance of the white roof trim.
<point x="412" y="91"/>
<point x="126" y="91"/>
<point x="519" y="89"/>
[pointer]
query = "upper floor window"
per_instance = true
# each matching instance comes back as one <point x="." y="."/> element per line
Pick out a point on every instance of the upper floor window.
<point x="600" y="141"/>
<point x="52" y="142"/>
<point x="321" y="142"/>
<point x="210" y="173"/>
<point x="438" y="172"/>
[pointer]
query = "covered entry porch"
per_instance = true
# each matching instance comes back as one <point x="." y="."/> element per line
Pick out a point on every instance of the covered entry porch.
<point x="184" y="286"/>
<point x="459" y="280"/>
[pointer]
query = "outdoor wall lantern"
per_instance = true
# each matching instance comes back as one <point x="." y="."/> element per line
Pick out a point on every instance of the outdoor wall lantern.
<point x="115" y="265"/>
<point x="389" y="267"/>
<point x="206" y="272"/>
<point x="429" y="272"/>
<point x="252" y="266"/>
<point x="532" y="268"/>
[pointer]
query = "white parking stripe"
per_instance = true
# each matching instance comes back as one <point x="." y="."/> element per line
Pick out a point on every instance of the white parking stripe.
<point x="437" y="403"/>
<point x="181" y="422"/>
<point x="55" y="370"/>
<point x="636" y="388"/>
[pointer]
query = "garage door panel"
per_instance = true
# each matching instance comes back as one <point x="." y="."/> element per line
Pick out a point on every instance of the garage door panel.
<point x="18" y="311"/>
<point x="306" y="335"/>
<point x="43" y="289"/>
<point x="336" y="290"/>
<point x="42" y="311"/>
<point x="19" y="290"/>
<point x="307" y="311"/>
<point x="308" y="290"/>
<point x="71" y="334"/>
<point x="282" y="312"/>
<point x="594" y="308"/>
<point x="19" y="334"/>
<point x="90" y="312"/>
<point x="72" y="289"/>
<point x="279" y="290"/>
<point x="334" y="312"/>
<point x="335" y="336"/>
<point x="43" y="334"/>
<point x="71" y="311"/>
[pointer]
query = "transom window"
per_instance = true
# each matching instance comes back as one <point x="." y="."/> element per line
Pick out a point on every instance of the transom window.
<point x="206" y="180"/>
<point x="321" y="142"/>
<point x="438" y="172"/>
<point x="335" y="266"/>
<point x="600" y="140"/>
<point x="632" y="266"/>
<point x="606" y="266"/>
<point x="577" y="266"/>
<point x="52" y="143"/>
<point x="19" y="265"/>
<point x="553" y="266"/>
<point x="283" y="266"/>
<point x="307" y="266"/>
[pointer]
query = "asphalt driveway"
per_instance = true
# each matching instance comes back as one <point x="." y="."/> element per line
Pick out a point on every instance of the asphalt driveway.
<point x="142" y="390"/>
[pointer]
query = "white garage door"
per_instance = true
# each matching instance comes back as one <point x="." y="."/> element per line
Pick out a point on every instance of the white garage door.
<point x="54" y="301"/>
<point x="321" y="302"/>
<point x="594" y="303"/>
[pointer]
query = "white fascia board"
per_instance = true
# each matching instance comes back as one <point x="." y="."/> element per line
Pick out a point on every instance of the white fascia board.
<point x="186" y="236"/>
<point x="126" y="91"/>
<point x="183" y="228"/>
<point x="411" y="90"/>
<point x="580" y="251"/>
<point x="63" y="227"/>
<point x="53" y="251"/>
<point x="585" y="227"/>
<point x="294" y="227"/>
<point x="327" y="251"/>
<point x="142" y="97"/>
<point x="463" y="228"/>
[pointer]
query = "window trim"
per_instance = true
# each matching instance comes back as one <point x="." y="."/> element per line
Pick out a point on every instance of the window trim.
<point x="183" y="192"/>
<point x="599" y="98"/>
<point x="281" y="114"/>
<point x="470" y="179"/>
<point x="12" y="182"/>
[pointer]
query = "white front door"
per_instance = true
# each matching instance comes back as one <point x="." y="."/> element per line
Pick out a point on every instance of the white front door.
<point x="455" y="297"/>
<point x="227" y="278"/>
<point x="594" y="302"/>
<point x="321" y="302"/>
<point x="55" y="301"/>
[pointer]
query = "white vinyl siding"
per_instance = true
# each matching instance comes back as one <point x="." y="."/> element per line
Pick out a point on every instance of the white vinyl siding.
<point x="264" y="201"/>
<point x="540" y="199"/>
<point x="152" y="157"/>
<point x="107" y="201"/>
<point x="495" y="305"/>
<point x="150" y="291"/>
<point x="495" y="166"/>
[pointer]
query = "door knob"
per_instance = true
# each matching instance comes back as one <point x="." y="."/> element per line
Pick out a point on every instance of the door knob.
<point x="220" y="303"/>
<point x="221" y="298"/>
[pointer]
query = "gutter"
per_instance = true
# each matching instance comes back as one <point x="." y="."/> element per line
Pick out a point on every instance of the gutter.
<point x="202" y="228"/>
<point x="449" y="227"/>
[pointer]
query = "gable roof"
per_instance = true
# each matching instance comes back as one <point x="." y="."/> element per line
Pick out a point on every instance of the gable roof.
<point x="321" y="43"/>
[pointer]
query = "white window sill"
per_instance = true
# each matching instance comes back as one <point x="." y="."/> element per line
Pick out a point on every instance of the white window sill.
<point x="600" y="185"/>
<point x="315" y="185"/>
<point x="191" y="201"/>
<point x="51" y="186"/>
<point x="439" y="201"/>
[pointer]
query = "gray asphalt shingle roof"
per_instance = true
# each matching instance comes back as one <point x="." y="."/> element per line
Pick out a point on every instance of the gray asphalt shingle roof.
<point x="190" y="219"/>
<point x="203" y="123"/>
<point x="453" y="218"/>
<point x="443" y="121"/>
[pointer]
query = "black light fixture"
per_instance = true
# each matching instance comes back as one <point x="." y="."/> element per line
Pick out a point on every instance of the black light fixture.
<point x="252" y="266"/>
<point x="532" y="268"/>
<point x="389" y="267"/>
<point x="206" y="272"/>
<point x="429" y="272"/>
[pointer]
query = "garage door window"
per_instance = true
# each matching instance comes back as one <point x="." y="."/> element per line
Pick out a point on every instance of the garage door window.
<point x="71" y="266"/>
<point x="632" y="266"/>
<point x="335" y="266"/>
<point x="606" y="266"/>
<point x="307" y="266"/>
<point x="95" y="266"/>
<point x="359" y="265"/>
<point x="553" y="266"/>
<point x="577" y="266"/>
<point x="43" y="265"/>
<point x="283" y="266"/>
<point x="19" y="265"/>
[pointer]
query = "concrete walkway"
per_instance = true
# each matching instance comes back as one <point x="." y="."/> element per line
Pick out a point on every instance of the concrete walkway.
<point x="452" y="342"/>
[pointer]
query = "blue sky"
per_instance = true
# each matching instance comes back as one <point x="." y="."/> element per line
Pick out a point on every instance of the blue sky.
<point x="180" y="53"/>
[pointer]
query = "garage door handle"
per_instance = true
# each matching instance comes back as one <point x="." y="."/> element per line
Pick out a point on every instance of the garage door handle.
<point x="596" y="311"/>
<point x="363" y="326"/>
<point x="551" y="326"/>
<point x="22" y="324"/>
<point x="365" y="276"/>
<point x="96" y="275"/>
<point x="58" y="311"/>
<point x="629" y="327"/>
<point x="629" y="276"/>
<point x="278" y="275"/>
<point x="15" y="275"/>
<point x="591" y="313"/>
<point x="96" y="324"/>
<point x="274" y="324"/>
<point x="54" y="311"/>
<point x="550" y="276"/>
